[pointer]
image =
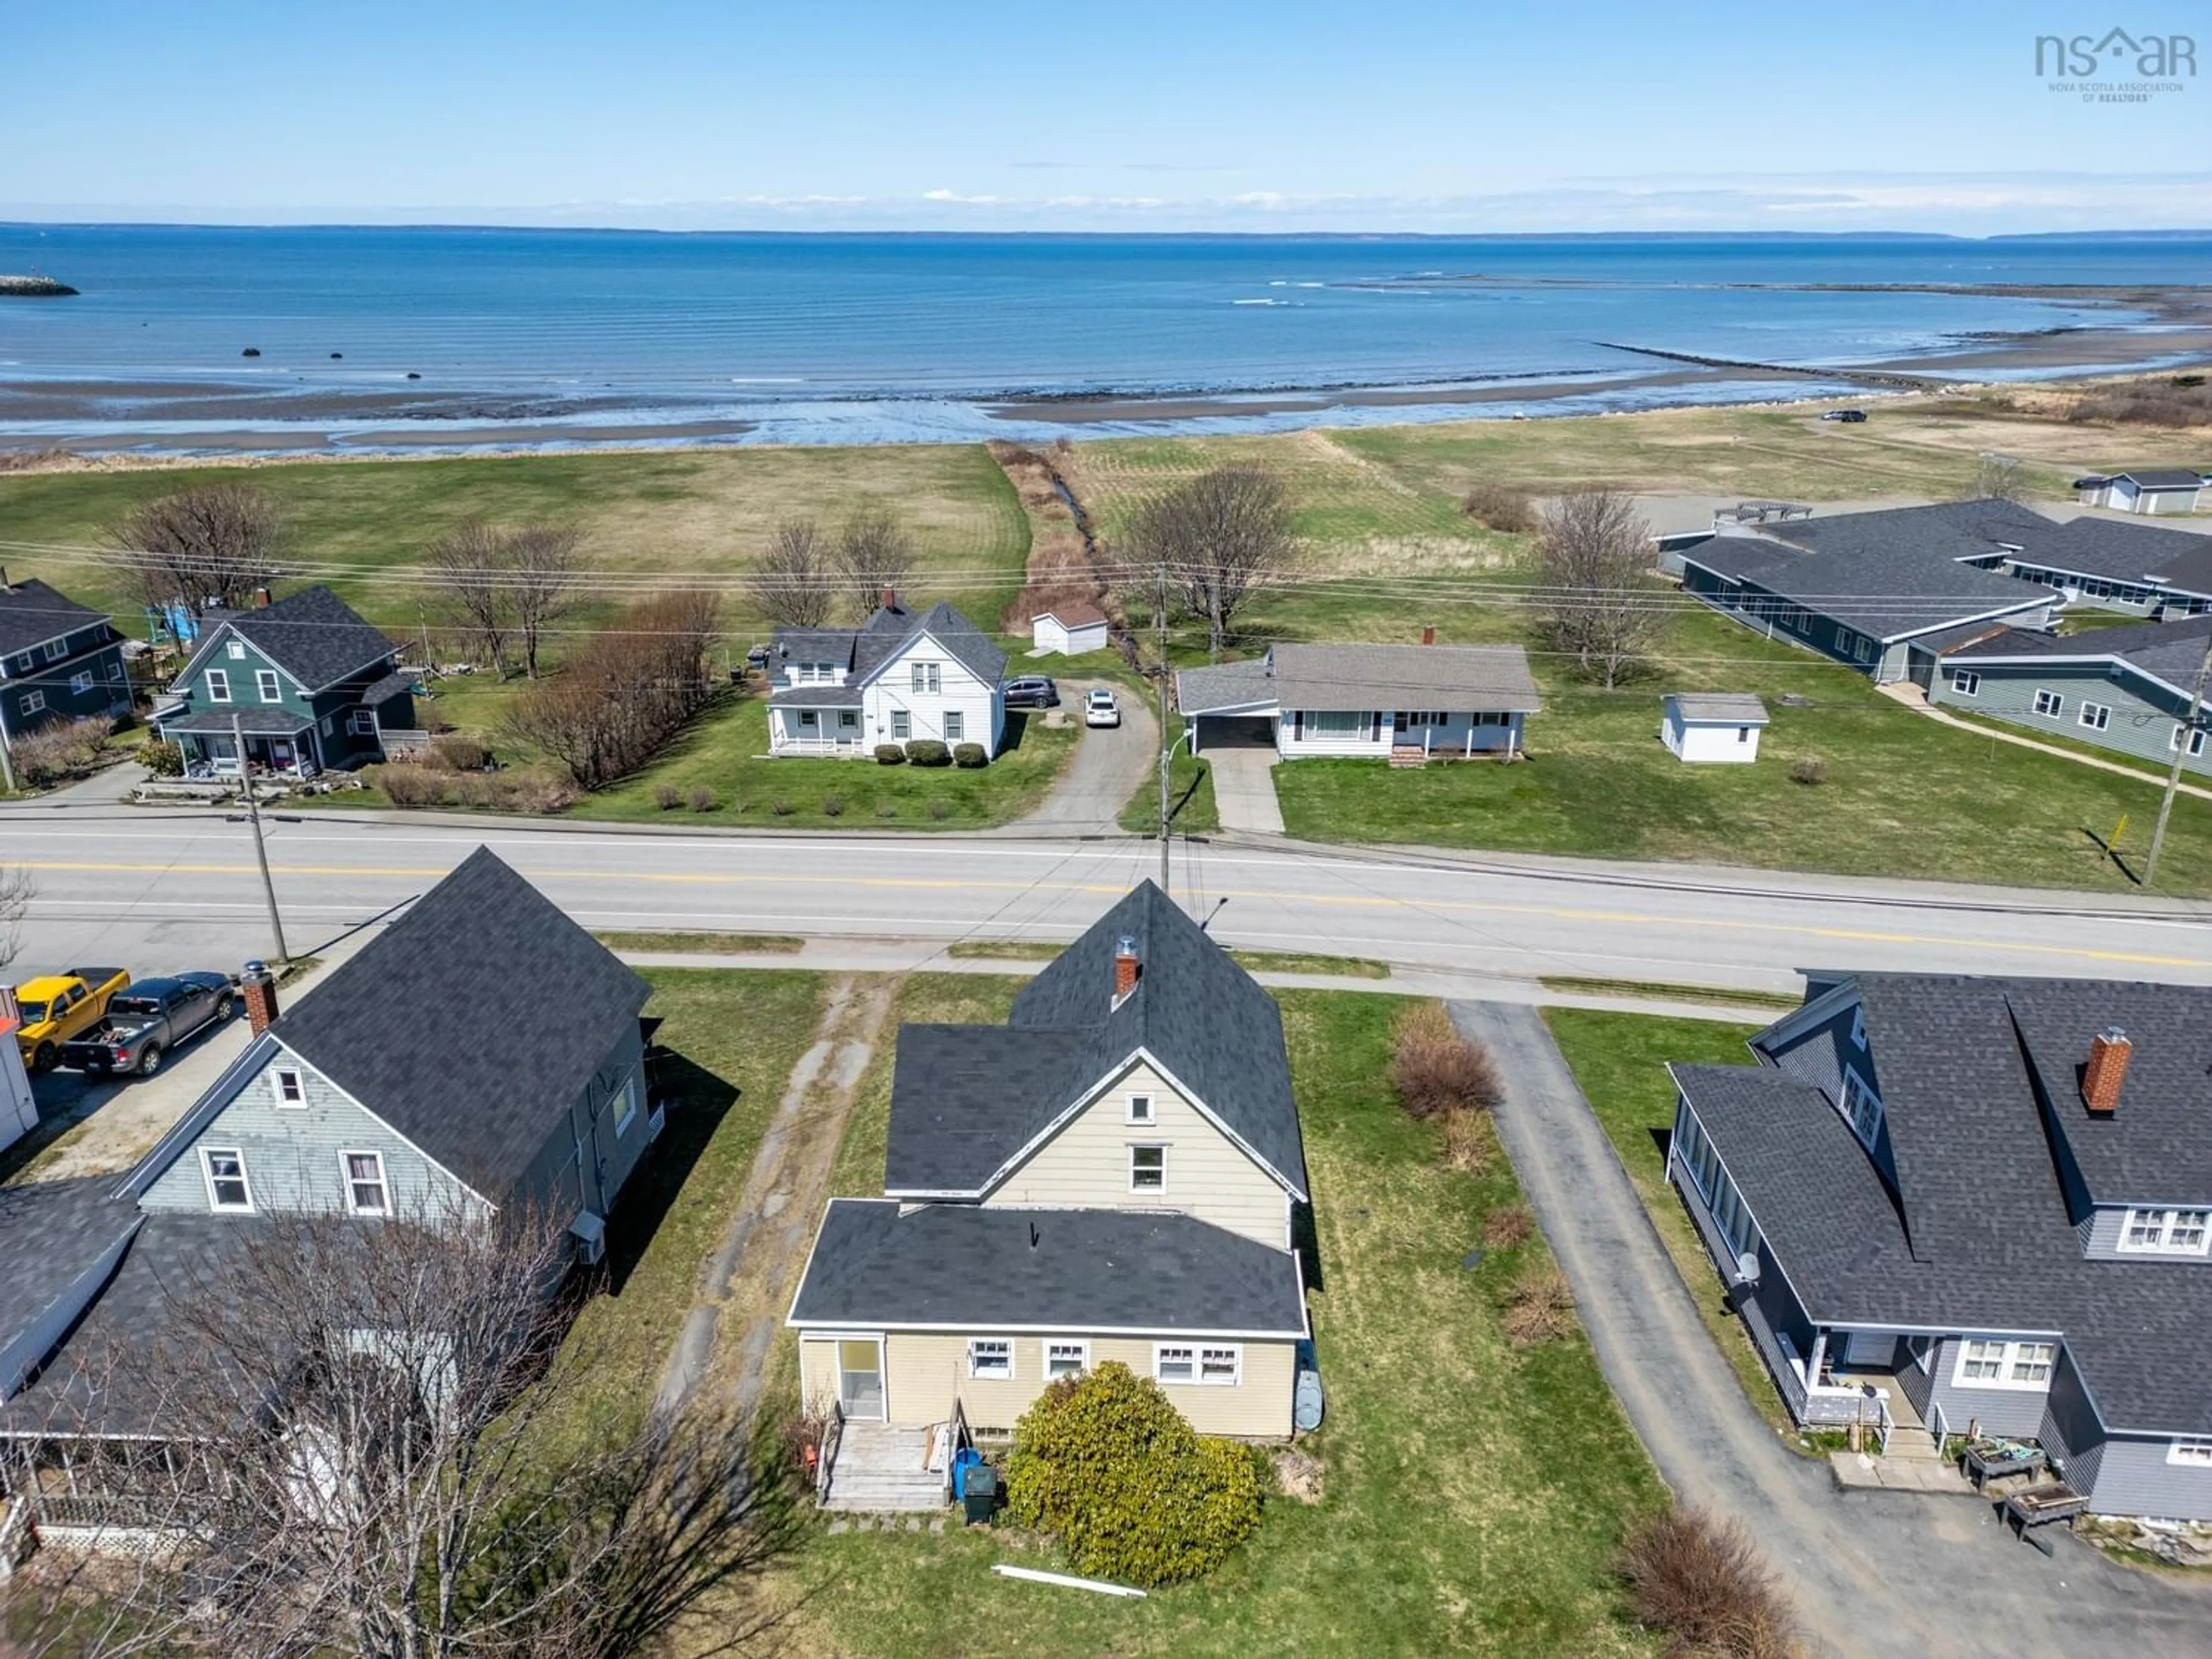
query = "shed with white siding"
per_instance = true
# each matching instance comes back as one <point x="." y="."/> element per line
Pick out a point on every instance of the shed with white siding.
<point x="1713" y="727"/>
<point x="1070" y="629"/>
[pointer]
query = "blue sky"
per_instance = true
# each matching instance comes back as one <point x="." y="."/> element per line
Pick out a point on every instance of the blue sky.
<point x="1382" y="115"/>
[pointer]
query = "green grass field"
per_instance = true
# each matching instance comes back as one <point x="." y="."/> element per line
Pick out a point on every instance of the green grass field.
<point x="1620" y="1061"/>
<point x="1474" y="1492"/>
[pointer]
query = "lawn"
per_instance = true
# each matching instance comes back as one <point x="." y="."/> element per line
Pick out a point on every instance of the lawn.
<point x="1474" y="1493"/>
<point x="1191" y="811"/>
<point x="362" y="523"/>
<point x="1620" y="1061"/>
<point x="736" y="1036"/>
<point x="1903" y="795"/>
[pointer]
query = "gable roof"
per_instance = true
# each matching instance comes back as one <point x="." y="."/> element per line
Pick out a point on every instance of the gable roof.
<point x="52" y="1233"/>
<point x="2162" y="478"/>
<point x="2123" y="549"/>
<point x="967" y="1268"/>
<point x="865" y="651"/>
<point x="967" y="1099"/>
<point x="1735" y="708"/>
<point x="469" y="1026"/>
<point x="32" y="613"/>
<point x="2169" y="651"/>
<point x="1250" y="686"/>
<point x="314" y="636"/>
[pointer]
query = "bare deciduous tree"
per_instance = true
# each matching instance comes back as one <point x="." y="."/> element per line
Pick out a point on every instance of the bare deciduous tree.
<point x="630" y="690"/>
<point x="505" y="588"/>
<point x="795" y="581"/>
<point x="1999" y="477"/>
<point x="209" y="544"/>
<point x="16" y="889"/>
<point x="873" y="554"/>
<point x="370" y="1441"/>
<point x="1220" y="537"/>
<point x="541" y="566"/>
<point x="1594" y="552"/>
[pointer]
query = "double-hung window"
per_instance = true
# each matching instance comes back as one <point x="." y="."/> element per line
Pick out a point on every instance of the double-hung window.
<point x="218" y="685"/>
<point x="2031" y="1364"/>
<point x="34" y="702"/>
<point x="361" y="723"/>
<point x="225" y="1169"/>
<point x="1148" y="1168"/>
<point x="1994" y="1363"/>
<point x="926" y="676"/>
<point x="25" y="662"/>
<point x="902" y="725"/>
<point x="2050" y="704"/>
<point x="1861" y="1108"/>
<point x="366" y="1191"/>
<point x="57" y="649"/>
<point x="265" y="683"/>
<point x="956" y="725"/>
<point x="991" y="1358"/>
<point x="81" y="681"/>
<point x="2095" y="716"/>
<point x="2195" y="1453"/>
<point x="289" y="1089"/>
<point x="1068" y="1356"/>
<point x="1966" y="683"/>
<point x="2164" y="1232"/>
<point x="626" y="1104"/>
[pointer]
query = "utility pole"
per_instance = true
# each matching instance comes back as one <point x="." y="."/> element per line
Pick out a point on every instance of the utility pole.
<point x="260" y="852"/>
<point x="1167" y="748"/>
<point x="2190" y="725"/>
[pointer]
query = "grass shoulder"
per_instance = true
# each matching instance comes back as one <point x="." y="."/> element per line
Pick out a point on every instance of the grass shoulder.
<point x="704" y="944"/>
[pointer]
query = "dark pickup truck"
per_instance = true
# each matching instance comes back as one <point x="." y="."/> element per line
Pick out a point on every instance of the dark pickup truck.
<point x="148" y="1018"/>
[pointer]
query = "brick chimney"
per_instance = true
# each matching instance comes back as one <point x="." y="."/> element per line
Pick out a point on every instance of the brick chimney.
<point x="1428" y="633"/>
<point x="259" y="986"/>
<point x="891" y="599"/>
<point x="1126" y="968"/>
<point x="2106" y="1071"/>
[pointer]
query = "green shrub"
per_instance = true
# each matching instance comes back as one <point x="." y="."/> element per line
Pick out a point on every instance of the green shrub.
<point x="927" y="751"/>
<point x="1106" y="1464"/>
<point x="970" y="754"/>
<point x="703" y="798"/>
<point x="889" y="754"/>
<point x="668" y="798"/>
<point x="939" y="811"/>
<point x="456" y="753"/>
<point x="162" y="760"/>
<point x="833" y="806"/>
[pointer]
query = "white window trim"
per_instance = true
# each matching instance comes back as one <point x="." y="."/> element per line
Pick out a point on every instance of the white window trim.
<point x="207" y="1174"/>
<point x="1870" y="1136"/>
<point x="1236" y="1353"/>
<point x="276" y="1076"/>
<point x="2191" y="1451"/>
<point x="2196" y="738"/>
<point x="218" y="684"/>
<point x="268" y="686"/>
<point x="34" y="702"/>
<point x="1149" y="1116"/>
<point x="1007" y="1375"/>
<point x="361" y="723"/>
<point x="1160" y="1350"/>
<point x="2165" y="1230"/>
<point x="57" y="649"/>
<point x="2057" y="709"/>
<point x="2008" y="1355"/>
<point x="1966" y="683"/>
<point x="1858" y="1026"/>
<point x="237" y="650"/>
<point x="1136" y="1146"/>
<point x="2095" y="716"/>
<point x="81" y="681"/>
<point x="626" y="1114"/>
<point x="346" y="1175"/>
<point x="1081" y="1344"/>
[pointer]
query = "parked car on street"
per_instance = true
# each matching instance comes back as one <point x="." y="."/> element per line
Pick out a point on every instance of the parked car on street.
<point x="1853" y="415"/>
<point x="149" y="1018"/>
<point x="1099" y="709"/>
<point x="1032" y="691"/>
<point x="54" y="1007"/>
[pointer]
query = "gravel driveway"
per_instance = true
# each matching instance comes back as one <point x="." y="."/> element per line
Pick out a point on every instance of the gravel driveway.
<point x="1110" y="763"/>
<point x="1870" y="1572"/>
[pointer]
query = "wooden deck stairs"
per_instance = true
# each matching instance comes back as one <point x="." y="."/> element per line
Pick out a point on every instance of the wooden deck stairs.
<point x="1408" y="753"/>
<point x="883" y="1468"/>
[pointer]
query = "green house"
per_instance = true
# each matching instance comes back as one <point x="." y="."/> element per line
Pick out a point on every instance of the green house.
<point x="308" y="683"/>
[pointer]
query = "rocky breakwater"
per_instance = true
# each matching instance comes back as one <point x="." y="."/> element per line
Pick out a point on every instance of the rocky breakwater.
<point x="33" y="287"/>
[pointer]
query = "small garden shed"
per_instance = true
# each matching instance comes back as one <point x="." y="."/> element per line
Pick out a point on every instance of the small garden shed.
<point x="1714" y="728"/>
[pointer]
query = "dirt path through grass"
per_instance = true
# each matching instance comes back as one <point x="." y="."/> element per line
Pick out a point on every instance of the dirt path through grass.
<point x="731" y="1328"/>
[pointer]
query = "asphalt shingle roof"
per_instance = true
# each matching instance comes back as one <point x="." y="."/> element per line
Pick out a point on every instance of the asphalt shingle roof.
<point x="1449" y="676"/>
<point x="2114" y="548"/>
<point x="314" y="636"/>
<point x="861" y="651"/>
<point x="964" y="1266"/>
<point x="262" y="722"/>
<point x="51" y="1234"/>
<point x="470" y="1024"/>
<point x="966" y="1099"/>
<point x="2164" y="477"/>
<point x="2171" y="650"/>
<point x="1737" y="707"/>
<point x="1225" y="685"/>
<point x="1980" y="1237"/>
<point x="31" y="613"/>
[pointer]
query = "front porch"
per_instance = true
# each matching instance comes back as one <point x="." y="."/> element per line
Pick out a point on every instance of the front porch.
<point x="279" y="747"/>
<point x="881" y="1468"/>
<point x="819" y="730"/>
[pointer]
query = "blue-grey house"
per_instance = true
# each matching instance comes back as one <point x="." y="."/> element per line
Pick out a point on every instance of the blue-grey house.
<point x="1957" y="1204"/>
<point x="2132" y="690"/>
<point x="311" y="686"/>
<point x="58" y="660"/>
<point x="483" y="1054"/>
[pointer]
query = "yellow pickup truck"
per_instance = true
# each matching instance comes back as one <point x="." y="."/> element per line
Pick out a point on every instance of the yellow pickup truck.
<point x="54" y="1007"/>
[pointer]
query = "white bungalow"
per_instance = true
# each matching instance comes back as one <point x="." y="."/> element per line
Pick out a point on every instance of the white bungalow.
<point x="896" y="679"/>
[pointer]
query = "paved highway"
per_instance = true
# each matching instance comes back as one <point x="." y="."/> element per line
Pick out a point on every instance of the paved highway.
<point x="160" y="893"/>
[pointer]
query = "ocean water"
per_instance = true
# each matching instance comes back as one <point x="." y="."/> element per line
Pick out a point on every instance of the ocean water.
<point x="869" y="338"/>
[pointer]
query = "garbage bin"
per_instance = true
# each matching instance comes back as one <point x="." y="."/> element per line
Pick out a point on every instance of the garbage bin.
<point x="965" y="1459"/>
<point x="980" y="1495"/>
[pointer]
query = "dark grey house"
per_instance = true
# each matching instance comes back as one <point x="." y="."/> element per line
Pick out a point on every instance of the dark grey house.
<point x="2111" y="565"/>
<point x="1883" y="592"/>
<point x="484" y="1052"/>
<point x="2128" y="689"/>
<point x="1975" y="1204"/>
<point x="58" y="660"/>
<point x="313" y="687"/>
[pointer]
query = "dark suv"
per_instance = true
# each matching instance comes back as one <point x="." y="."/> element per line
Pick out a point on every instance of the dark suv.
<point x="1032" y="691"/>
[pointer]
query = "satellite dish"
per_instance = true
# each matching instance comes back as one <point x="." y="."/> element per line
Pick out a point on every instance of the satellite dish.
<point x="1747" y="1267"/>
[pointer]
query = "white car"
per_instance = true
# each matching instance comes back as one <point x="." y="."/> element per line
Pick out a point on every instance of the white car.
<point x="1099" y="709"/>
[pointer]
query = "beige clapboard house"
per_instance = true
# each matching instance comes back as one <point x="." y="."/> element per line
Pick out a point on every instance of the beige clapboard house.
<point x="1113" y="1174"/>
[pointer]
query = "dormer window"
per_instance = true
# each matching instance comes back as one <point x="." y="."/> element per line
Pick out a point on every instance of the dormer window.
<point x="2164" y="1232"/>
<point x="1861" y="1108"/>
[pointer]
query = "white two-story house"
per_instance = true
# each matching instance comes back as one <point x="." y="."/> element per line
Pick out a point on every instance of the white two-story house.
<point x="1114" y="1174"/>
<point x="897" y="679"/>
